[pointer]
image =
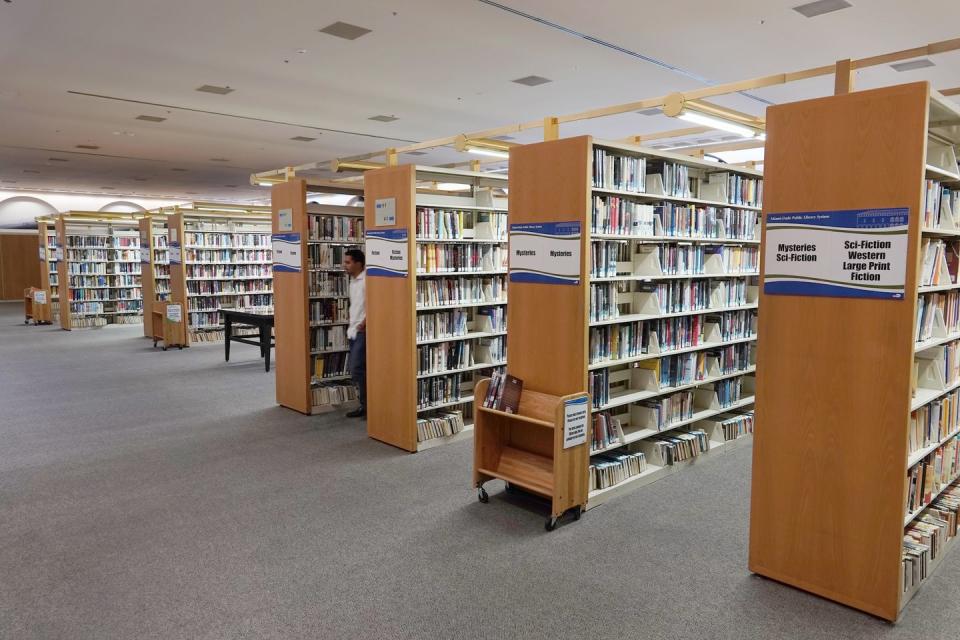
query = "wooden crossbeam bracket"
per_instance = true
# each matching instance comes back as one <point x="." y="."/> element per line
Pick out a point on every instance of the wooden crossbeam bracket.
<point x="843" y="83"/>
<point x="551" y="128"/>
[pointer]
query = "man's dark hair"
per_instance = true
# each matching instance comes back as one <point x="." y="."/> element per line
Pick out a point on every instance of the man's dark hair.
<point x="357" y="256"/>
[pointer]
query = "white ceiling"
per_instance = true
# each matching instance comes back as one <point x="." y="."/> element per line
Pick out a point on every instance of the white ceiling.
<point x="441" y="67"/>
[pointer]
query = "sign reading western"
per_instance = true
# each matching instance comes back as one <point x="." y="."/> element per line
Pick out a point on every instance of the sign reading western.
<point x="860" y="253"/>
<point x="387" y="254"/>
<point x="545" y="252"/>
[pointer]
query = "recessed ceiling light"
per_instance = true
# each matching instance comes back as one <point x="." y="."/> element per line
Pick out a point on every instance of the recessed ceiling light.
<point x="416" y="153"/>
<point x="219" y="160"/>
<point x="345" y="30"/>
<point x="532" y="81"/>
<point x="303" y="139"/>
<point x="151" y="118"/>
<point x="58" y="160"/>
<point x="211" y="88"/>
<point x="87" y="146"/>
<point x="301" y="51"/>
<point x="177" y="169"/>
<point x="383" y="118"/>
<point x="820" y="7"/>
<point x="922" y="63"/>
<point x="30" y="171"/>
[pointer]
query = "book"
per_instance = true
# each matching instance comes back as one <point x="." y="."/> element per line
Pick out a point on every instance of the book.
<point x="509" y="400"/>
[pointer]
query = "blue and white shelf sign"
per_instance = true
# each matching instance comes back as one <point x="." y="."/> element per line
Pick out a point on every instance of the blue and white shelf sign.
<point x="287" y="252"/>
<point x="387" y="254"/>
<point x="545" y="252"/>
<point x="861" y="253"/>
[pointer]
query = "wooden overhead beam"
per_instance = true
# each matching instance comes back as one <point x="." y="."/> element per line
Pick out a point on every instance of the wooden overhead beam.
<point x="950" y="92"/>
<point x="738" y="145"/>
<point x="666" y="135"/>
<point x="933" y="48"/>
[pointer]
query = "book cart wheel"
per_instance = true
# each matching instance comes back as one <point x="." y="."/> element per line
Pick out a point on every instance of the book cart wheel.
<point x="482" y="495"/>
<point x="551" y="523"/>
<point x="577" y="512"/>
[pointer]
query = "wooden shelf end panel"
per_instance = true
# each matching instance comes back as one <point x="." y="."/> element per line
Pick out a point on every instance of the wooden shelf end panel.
<point x="291" y="327"/>
<point x="833" y="398"/>
<point x="391" y="311"/>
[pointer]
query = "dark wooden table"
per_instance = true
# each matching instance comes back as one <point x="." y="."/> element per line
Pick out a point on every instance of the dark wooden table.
<point x="261" y="321"/>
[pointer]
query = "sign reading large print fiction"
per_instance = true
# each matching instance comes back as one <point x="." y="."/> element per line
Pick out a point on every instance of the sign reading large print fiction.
<point x="860" y="253"/>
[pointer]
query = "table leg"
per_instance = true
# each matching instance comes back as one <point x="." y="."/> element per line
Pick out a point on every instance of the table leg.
<point x="227" y="334"/>
<point x="265" y="346"/>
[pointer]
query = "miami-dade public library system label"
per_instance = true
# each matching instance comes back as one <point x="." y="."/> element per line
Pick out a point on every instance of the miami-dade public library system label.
<point x="860" y="253"/>
<point x="545" y="252"/>
<point x="387" y="254"/>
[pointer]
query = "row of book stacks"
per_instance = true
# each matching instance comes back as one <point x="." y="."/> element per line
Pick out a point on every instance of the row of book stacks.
<point x="330" y="235"/>
<point x="667" y="304"/>
<point x="933" y="438"/>
<point x="227" y="264"/>
<point x="461" y="266"/>
<point x="443" y="323"/>
<point x="160" y="264"/>
<point x="674" y="266"/>
<point x="48" y="266"/>
<point x="102" y="267"/>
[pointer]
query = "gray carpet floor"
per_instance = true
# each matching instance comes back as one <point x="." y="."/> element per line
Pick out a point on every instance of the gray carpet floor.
<point x="146" y="494"/>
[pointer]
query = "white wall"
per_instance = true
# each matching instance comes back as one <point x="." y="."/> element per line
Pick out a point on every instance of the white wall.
<point x="18" y="209"/>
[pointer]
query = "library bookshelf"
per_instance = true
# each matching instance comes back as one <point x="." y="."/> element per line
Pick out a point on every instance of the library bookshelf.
<point x="435" y="321"/>
<point x="655" y="313"/>
<point x="311" y="292"/>
<point x="855" y="463"/>
<point x="98" y="269"/>
<point x="49" y="276"/>
<point x="219" y="258"/>
<point x="154" y="267"/>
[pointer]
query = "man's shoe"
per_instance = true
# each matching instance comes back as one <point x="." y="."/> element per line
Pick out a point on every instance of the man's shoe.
<point x="357" y="413"/>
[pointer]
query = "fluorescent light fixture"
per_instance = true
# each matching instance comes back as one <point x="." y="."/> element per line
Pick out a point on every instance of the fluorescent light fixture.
<point x="484" y="146"/>
<point x="265" y="184"/>
<point x="493" y="153"/>
<point x="354" y="165"/>
<point x="452" y="186"/>
<point x="717" y="123"/>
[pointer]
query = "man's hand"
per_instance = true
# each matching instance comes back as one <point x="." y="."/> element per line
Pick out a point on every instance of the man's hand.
<point x="362" y="326"/>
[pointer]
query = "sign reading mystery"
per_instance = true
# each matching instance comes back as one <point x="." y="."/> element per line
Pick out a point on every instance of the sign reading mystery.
<point x="848" y="254"/>
<point x="545" y="252"/>
<point x="387" y="254"/>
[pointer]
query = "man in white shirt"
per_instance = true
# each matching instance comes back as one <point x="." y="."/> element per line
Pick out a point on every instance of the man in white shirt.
<point x="354" y="263"/>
